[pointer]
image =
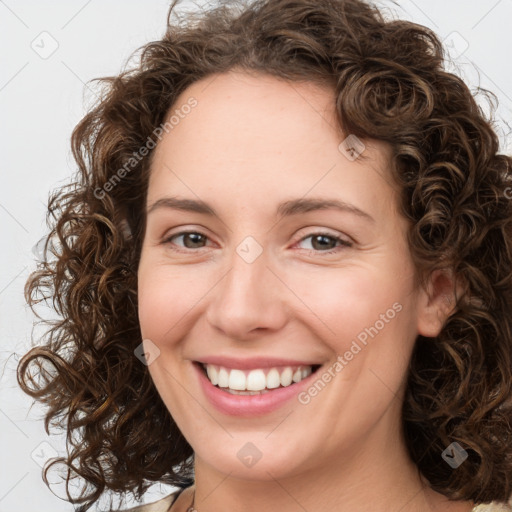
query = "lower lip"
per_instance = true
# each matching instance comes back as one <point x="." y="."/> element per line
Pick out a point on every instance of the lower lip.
<point x="249" y="405"/>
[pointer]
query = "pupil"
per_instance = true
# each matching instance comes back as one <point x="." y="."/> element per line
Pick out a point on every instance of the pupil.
<point x="195" y="237"/>
<point x="324" y="238"/>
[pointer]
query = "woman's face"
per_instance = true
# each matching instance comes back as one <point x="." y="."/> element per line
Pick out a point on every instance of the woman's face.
<point x="248" y="273"/>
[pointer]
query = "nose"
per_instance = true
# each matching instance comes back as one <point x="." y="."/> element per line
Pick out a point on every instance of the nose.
<point x="248" y="300"/>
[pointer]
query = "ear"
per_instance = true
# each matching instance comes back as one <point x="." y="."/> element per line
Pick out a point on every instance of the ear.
<point x="436" y="303"/>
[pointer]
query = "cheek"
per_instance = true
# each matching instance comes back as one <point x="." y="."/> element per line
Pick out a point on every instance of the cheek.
<point x="154" y="298"/>
<point x="344" y="302"/>
<point x="165" y="296"/>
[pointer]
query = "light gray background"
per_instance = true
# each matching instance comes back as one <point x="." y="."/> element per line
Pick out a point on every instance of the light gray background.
<point x="41" y="100"/>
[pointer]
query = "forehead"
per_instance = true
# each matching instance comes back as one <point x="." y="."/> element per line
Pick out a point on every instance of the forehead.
<point x="251" y="112"/>
<point x="255" y="132"/>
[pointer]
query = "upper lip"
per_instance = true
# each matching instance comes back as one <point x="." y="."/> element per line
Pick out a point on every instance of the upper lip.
<point x="253" y="362"/>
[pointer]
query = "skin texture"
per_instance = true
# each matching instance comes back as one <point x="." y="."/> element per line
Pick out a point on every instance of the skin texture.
<point x="252" y="142"/>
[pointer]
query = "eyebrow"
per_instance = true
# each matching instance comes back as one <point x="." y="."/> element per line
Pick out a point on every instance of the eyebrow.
<point x="304" y="205"/>
<point x="285" y="209"/>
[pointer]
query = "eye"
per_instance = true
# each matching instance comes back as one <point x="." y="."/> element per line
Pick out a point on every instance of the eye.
<point x="322" y="241"/>
<point x="191" y="240"/>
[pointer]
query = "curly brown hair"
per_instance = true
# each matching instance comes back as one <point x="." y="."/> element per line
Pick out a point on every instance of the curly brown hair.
<point x="391" y="85"/>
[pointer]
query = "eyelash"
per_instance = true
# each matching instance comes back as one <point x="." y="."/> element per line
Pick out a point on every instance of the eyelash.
<point x="344" y="243"/>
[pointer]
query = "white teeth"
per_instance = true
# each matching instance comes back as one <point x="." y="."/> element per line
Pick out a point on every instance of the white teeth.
<point x="286" y="376"/>
<point x="223" y="377"/>
<point x="273" y="379"/>
<point x="255" y="381"/>
<point x="237" y="380"/>
<point x="212" y="374"/>
<point x="233" y="392"/>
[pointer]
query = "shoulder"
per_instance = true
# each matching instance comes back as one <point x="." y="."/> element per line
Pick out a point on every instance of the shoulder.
<point x="493" y="507"/>
<point x="161" y="505"/>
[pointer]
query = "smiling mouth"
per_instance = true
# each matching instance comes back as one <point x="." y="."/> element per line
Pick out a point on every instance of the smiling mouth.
<point x="256" y="381"/>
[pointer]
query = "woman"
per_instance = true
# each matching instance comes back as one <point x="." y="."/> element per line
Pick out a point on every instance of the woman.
<point x="284" y="273"/>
